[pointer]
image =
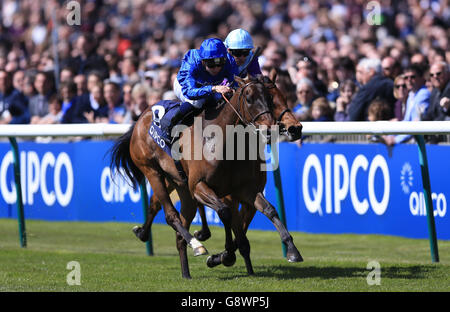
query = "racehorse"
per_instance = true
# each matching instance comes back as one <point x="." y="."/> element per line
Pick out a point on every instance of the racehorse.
<point x="208" y="180"/>
<point x="290" y="129"/>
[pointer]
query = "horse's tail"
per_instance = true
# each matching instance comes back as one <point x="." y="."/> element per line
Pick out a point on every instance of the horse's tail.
<point x="121" y="158"/>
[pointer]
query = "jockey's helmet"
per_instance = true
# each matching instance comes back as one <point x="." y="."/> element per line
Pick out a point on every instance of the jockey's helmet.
<point x="239" y="39"/>
<point x="212" y="48"/>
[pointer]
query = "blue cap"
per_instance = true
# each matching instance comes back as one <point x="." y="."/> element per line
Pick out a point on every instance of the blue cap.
<point x="239" y="39"/>
<point x="212" y="48"/>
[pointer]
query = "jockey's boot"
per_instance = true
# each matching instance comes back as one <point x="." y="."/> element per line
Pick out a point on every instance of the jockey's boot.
<point x="183" y="111"/>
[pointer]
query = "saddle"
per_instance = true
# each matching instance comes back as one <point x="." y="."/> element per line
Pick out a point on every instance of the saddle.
<point x="163" y="112"/>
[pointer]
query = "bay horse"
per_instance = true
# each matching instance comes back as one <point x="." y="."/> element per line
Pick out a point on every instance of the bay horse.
<point x="208" y="180"/>
<point x="290" y="129"/>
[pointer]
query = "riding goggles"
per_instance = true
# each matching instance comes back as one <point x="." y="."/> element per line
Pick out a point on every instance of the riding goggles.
<point x="215" y="62"/>
<point x="239" y="52"/>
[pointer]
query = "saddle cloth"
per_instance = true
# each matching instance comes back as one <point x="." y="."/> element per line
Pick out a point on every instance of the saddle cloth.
<point x="163" y="112"/>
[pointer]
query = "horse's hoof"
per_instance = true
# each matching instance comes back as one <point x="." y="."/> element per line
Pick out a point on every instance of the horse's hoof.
<point x="213" y="261"/>
<point x="202" y="235"/>
<point x="139" y="232"/>
<point x="294" y="257"/>
<point x="228" y="259"/>
<point x="200" y="251"/>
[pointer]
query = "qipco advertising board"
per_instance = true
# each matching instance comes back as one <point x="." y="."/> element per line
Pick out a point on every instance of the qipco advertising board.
<point x="327" y="188"/>
<point x="67" y="181"/>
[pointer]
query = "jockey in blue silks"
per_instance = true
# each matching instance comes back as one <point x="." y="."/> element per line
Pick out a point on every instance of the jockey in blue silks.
<point x="240" y="44"/>
<point x="202" y="77"/>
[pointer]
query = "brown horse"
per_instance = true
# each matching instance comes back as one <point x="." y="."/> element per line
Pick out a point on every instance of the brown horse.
<point x="290" y="129"/>
<point x="208" y="180"/>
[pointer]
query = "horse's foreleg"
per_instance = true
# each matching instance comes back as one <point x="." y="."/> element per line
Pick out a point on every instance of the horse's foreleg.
<point x="206" y="196"/>
<point x="204" y="233"/>
<point x="172" y="218"/>
<point x="241" y="240"/>
<point x="263" y="205"/>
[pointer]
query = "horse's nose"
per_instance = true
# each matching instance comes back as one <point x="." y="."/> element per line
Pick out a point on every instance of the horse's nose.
<point x="295" y="131"/>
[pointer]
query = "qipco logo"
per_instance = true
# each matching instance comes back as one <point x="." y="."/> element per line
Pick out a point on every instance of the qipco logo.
<point x="328" y="193"/>
<point x="50" y="176"/>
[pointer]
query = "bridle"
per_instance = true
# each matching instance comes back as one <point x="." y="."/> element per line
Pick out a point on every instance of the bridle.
<point x="286" y="110"/>
<point x="242" y="106"/>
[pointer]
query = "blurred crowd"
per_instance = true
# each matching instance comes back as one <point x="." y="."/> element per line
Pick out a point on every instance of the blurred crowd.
<point x="337" y="60"/>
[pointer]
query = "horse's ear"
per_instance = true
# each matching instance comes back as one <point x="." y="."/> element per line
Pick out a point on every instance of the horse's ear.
<point x="273" y="74"/>
<point x="239" y="80"/>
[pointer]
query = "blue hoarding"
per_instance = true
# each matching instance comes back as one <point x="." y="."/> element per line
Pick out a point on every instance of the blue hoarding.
<point x="327" y="188"/>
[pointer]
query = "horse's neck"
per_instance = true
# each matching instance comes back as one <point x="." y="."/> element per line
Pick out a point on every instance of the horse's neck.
<point x="223" y="115"/>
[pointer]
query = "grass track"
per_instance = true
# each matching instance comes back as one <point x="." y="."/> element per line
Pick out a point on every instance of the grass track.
<point x="112" y="259"/>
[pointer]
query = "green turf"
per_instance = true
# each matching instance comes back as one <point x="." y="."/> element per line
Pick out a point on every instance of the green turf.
<point x="112" y="259"/>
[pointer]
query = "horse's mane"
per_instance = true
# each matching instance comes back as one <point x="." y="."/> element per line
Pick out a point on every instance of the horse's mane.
<point x="258" y="78"/>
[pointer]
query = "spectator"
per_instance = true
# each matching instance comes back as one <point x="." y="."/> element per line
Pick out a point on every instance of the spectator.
<point x="347" y="91"/>
<point x="81" y="82"/>
<point x="86" y="102"/>
<point x="162" y="80"/>
<point x="19" y="80"/>
<point x="273" y="56"/>
<point x="140" y="98"/>
<point x="28" y="84"/>
<point x="440" y="79"/>
<point x="130" y="67"/>
<point x="391" y="67"/>
<point x="87" y="58"/>
<point x="66" y="74"/>
<point x="150" y="77"/>
<point x="345" y="69"/>
<point x="287" y="87"/>
<point x="418" y="93"/>
<point x="13" y="103"/>
<point x="307" y="68"/>
<point x="321" y="110"/>
<point x="445" y="104"/>
<point x="401" y="94"/>
<point x="417" y="101"/>
<point x="333" y="35"/>
<point x="379" y="110"/>
<point x="72" y="110"/>
<point x="420" y="60"/>
<point x="373" y="85"/>
<point x="305" y="95"/>
<point x="116" y="111"/>
<point x="155" y="96"/>
<point x="39" y="102"/>
<point x="126" y="94"/>
<point x="54" y="115"/>
<point x="98" y="111"/>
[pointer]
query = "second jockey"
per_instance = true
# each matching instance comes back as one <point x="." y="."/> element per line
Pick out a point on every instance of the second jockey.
<point x="240" y="44"/>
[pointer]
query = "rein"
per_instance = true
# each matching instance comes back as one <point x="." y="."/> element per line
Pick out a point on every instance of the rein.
<point x="241" y="104"/>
